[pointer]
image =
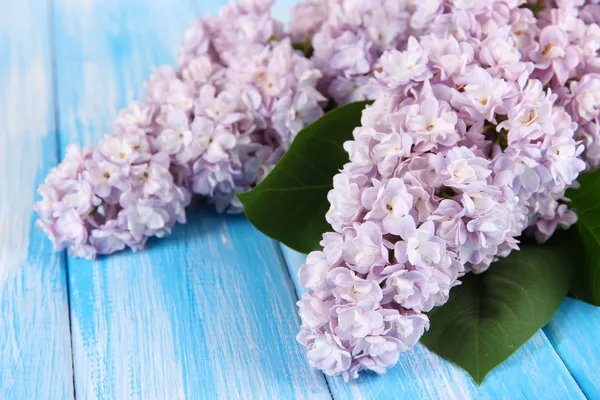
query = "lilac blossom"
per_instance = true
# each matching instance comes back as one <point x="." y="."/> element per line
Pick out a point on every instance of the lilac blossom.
<point x="214" y="126"/>
<point x="482" y="114"/>
<point x="251" y="93"/>
<point x="97" y="201"/>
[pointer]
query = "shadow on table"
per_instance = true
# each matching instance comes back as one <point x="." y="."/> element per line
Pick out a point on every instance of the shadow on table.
<point x="202" y="220"/>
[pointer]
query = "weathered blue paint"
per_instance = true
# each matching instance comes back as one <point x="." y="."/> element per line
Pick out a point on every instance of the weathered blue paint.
<point x="575" y="334"/>
<point x="35" y="346"/>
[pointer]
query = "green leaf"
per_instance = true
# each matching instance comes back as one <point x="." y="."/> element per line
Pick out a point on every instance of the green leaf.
<point x="586" y="202"/>
<point x="534" y="7"/>
<point x="305" y="47"/>
<point x="491" y="315"/>
<point x="290" y="204"/>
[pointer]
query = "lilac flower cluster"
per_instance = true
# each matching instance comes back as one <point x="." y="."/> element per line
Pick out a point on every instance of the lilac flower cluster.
<point x="567" y="43"/>
<point x="349" y="37"/>
<point x="97" y="201"/>
<point x="472" y="140"/>
<point x="561" y="42"/>
<point x="240" y="96"/>
<point x="214" y="126"/>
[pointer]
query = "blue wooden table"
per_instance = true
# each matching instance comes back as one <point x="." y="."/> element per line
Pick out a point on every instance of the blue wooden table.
<point x="208" y="312"/>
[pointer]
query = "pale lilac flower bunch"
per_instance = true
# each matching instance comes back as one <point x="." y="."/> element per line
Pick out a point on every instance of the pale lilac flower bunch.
<point x="97" y="201"/>
<point x="561" y="42"/>
<point x="462" y="152"/>
<point x="214" y="126"/>
<point x="349" y="37"/>
<point x="564" y="50"/>
<point x="247" y="94"/>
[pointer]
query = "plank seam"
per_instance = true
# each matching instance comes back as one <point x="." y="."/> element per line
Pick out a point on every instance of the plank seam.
<point x="563" y="362"/>
<point x="297" y="296"/>
<point x="54" y="81"/>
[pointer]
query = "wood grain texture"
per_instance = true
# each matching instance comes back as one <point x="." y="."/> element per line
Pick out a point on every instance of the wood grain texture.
<point x="575" y="334"/>
<point x="35" y="346"/>
<point x="206" y="313"/>
<point x="534" y="372"/>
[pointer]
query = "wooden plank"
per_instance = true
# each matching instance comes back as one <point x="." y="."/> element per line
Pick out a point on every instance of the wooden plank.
<point x="35" y="345"/>
<point x="535" y="371"/>
<point x="206" y="313"/>
<point x="574" y="333"/>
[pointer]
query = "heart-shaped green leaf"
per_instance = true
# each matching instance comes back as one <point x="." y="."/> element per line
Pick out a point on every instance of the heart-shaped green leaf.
<point x="586" y="202"/>
<point x="290" y="204"/>
<point x="491" y="315"/>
